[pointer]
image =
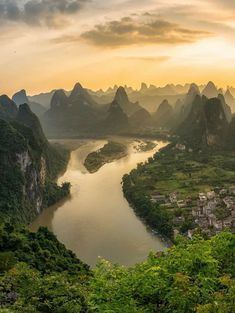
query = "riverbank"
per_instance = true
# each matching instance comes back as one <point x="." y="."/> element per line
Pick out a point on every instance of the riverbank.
<point x="89" y="222"/>
<point x="153" y="215"/>
<point x="144" y="145"/>
<point x="110" y="152"/>
<point x="53" y="192"/>
<point x="192" y="191"/>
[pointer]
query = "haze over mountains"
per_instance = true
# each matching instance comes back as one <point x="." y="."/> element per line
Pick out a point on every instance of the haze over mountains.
<point x="200" y="121"/>
<point x="203" y="112"/>
<point x="148" y="96"/>
<point x="21" y="97"/>
<point x="206" y="124"/>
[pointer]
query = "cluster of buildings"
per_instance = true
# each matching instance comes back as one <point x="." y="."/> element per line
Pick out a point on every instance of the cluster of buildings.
<point x="215" y="210"/>
<point x="211" y="212"/>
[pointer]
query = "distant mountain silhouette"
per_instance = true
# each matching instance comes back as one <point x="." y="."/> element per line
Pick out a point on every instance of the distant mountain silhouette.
<point x="80" y="96"/>
<point x="210" y="91"/>
<point x="21" y="98"/>
<point x="191" y="94"/>
<point x="226" y="107"/>
<point x="143" y="87"/>
<point x="140" y="119"/>
<point x="183" y="106"/>
<point x="128" y="107"/>
<point x="116" y="120"/>
<point x="149" y="97"/>
<point x="71" y="114"/>
<point x="87" y="112"/>
<point x="26" y="122"/>
<point x="230" y="99"/>
<point x="43" y="98"/>
<point x="178" y="107"/>
<point x="164" y="115"/>
<point x="206" y="124"/>
<point x="59" y="99"/>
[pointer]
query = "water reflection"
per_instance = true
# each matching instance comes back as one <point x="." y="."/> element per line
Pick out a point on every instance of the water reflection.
<point x="97" y="220"/>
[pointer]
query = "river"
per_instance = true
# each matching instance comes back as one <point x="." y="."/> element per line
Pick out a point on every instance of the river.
<point x="96" y="220"/>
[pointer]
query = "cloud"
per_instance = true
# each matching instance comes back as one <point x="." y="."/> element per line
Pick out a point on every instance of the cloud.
<point x="224" y="3"/>
<point x="157" y="59"/>
<point x="141" y="30"/>
<point x="38" y="12"/>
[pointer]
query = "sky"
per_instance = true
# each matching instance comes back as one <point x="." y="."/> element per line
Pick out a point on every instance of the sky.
<point x="50" y="44"/>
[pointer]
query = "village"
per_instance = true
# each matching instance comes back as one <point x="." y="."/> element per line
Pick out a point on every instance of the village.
<point x="211" y="212"/>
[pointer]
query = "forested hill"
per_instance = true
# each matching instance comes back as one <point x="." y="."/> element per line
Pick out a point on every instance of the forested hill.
<point x="28" y="164"/>
<point x="38" y="275"/>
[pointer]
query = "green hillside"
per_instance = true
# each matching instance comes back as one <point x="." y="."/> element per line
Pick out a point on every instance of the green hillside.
<point x="37" y="274"/>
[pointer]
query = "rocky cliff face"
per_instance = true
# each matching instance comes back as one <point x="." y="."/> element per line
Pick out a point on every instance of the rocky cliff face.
<point x="23" y="174"/>
<point x="27" y="164"/>
<point x="34" y="178"/>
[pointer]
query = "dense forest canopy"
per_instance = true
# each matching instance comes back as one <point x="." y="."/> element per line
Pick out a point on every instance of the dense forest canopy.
<point x="38" y="274"/>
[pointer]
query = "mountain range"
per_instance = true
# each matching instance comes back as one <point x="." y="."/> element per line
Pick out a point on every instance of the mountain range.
<point x="78" y="113"/>
<point x="148" y="96"/>
<point x="21" y="97"/>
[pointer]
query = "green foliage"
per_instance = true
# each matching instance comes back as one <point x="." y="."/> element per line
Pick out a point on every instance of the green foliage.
<point x="182" y="172"/>
<point x="11" y="195"/>
<point x="40" y="250"/>
<point x="7" y="260"/>
<point x="190" y="277"/>
<point x="153" y="214"/>
<point x="18" y="141"/>
<point x="111" y="151"/>
<point x="38" y="274"/>
<point x="57" y="158"/>
<point x="52" y="193"/>
<point x="10" y="139"/>
<point x="146" y="145"/>
<point x="24" y="289"/>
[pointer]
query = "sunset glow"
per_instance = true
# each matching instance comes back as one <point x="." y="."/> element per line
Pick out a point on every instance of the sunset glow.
<point x="53" y="44"/>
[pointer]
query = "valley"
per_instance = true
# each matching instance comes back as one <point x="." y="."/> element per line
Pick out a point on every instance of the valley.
<point x="134" y="214"/>
<point x="96" y="220"/>
<point x="117" y="156"/>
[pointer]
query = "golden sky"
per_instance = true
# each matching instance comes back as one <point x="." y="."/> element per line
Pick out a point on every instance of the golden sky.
<point x="48" y="44"/>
